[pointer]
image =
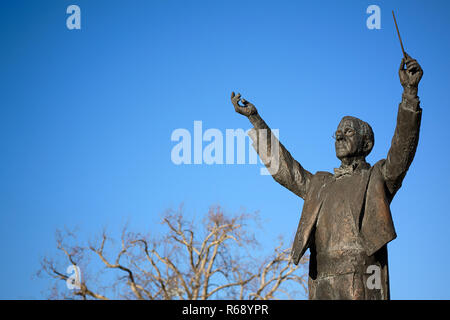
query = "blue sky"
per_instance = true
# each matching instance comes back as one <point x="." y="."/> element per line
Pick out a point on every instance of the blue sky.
<point x="86" y="117"/>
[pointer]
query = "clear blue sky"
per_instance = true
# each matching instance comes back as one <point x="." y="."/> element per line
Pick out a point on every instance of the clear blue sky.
<point x="86" y="117"/>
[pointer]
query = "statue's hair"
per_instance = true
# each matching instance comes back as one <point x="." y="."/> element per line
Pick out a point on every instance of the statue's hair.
<point x="364" y="129"/>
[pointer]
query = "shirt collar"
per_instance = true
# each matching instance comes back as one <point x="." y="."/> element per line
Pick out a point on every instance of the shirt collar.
<point x="344" y="170"/>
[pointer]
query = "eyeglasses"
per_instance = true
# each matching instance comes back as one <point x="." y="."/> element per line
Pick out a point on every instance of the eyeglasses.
<point x="347" y="131"/>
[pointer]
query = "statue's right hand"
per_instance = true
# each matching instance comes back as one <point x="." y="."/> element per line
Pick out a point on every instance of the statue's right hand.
<point x="247" y="109"/>
<point x="410" y="77"/>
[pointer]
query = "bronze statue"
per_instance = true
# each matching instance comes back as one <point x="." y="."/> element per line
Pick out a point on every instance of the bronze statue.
<point x="346" y="220"/>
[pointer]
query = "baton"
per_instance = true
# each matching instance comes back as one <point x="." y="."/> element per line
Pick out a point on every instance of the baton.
<point x="399" y="38"/>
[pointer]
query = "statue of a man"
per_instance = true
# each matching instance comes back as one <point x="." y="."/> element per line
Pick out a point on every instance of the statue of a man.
<point x="346" y="220"/>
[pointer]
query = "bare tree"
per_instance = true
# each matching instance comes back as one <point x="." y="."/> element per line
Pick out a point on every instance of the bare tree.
<point x="211" y="260"/>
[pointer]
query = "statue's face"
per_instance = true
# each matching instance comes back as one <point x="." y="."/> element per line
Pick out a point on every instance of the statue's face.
<point x="349" y="143"/>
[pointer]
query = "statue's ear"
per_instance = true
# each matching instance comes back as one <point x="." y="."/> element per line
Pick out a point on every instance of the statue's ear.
<point x="368" y="145"/>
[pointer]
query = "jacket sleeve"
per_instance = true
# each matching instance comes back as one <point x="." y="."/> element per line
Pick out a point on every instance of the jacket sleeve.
<point x="279" y="162"/>
<point x="404" y="143"/>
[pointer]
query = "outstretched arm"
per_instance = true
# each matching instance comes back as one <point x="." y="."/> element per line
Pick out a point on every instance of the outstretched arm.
<point x="287" y="171"/>
<point x="406" y="136"/>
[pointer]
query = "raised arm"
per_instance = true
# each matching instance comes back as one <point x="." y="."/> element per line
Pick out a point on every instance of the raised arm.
<point x="281" y="165"/>
<point x="406" y="136"/>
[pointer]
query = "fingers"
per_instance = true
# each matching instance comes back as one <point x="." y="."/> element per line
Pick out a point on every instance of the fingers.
<point x="235" y="98"/>
<point x="247" y="104"/>
<point x="408" y="59"/>
<point x="411" y="62"/>
<point x="413" y="66"/>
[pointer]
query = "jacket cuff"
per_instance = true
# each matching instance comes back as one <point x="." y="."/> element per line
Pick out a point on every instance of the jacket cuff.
<point x="410" y="102"/>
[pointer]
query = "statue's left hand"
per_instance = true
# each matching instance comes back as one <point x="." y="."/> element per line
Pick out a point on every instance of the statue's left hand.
<point x="410" y="77"/>
<point x="247" y="109"/>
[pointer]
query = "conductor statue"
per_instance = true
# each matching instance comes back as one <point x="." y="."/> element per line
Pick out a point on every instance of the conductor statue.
<point x="346" y="221"/>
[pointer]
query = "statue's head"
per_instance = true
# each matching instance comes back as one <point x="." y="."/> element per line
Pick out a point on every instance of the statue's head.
<point x="354" y="138"/>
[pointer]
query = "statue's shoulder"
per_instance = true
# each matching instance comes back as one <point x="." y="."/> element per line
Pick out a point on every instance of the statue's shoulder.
<point x="322" y="177"/>
<point x="380" y="163"/>
<point x="378" y="167"/>
<point x="317" y="182"/>
<point x="323" y="174"/>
